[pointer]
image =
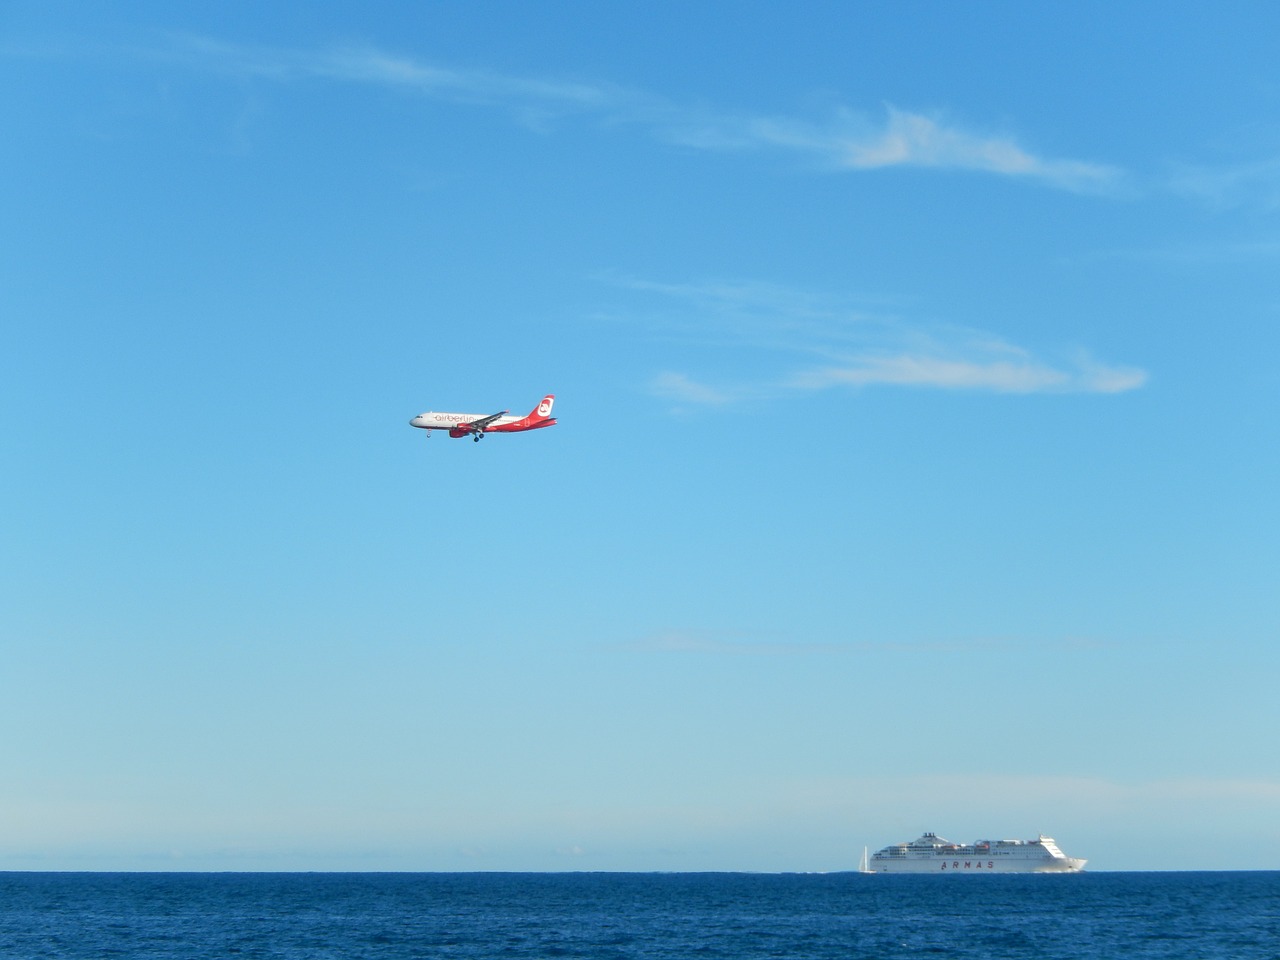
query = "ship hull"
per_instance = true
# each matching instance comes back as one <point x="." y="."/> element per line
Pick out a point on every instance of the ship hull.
<point x="978" y="865"/>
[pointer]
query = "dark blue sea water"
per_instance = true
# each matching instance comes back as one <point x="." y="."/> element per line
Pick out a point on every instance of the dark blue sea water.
<point x="620" y="916"/>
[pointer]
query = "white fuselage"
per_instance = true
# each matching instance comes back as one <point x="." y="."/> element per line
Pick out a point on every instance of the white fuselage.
<point x="932" y="854"/>
<point x="447" y="421"/>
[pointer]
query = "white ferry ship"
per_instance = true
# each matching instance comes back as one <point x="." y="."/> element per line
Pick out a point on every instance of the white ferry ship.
<point x="932" y="854"/>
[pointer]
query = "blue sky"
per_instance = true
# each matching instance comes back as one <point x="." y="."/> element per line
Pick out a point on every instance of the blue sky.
<point x="916" y="464"/>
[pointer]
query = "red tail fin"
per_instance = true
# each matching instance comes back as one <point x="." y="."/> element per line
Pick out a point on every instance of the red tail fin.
<point x="543" y="410"/>
<point x="539" y="416"/>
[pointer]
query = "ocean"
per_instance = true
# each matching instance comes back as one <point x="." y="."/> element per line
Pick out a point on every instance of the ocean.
<point x="631" y="916"/>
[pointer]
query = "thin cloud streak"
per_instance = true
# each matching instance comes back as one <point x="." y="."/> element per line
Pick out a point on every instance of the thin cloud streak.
<point x="677" y="386"/>
<point x="1241" y="185"/>
<point x="859" y="349"/>
<point x="1090" y="793"/>
<point x="910" y="139"/>
<point x="374" y="67"/>
<point x="1197" y="255"/>
<point x="725" y="643"/>
<point x="914" y="140"/>
<point x="850" y="141"/>
<point x="951" y="373"/>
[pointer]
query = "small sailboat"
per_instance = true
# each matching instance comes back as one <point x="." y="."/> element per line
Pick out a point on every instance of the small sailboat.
<point x="864" y="866"/>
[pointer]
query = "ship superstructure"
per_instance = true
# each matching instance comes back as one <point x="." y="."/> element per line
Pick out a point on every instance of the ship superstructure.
<point x="932" y="854"/>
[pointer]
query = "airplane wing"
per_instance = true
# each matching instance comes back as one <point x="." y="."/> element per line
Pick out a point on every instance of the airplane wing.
<point x="485" y="421"/>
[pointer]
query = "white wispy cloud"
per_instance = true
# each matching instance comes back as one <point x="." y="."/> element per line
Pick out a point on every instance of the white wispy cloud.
<point x="722" y="643"/>
<point x="847" y="140"/>
<point x="368" y="65"/>
<point x="684" y="389"/>
<point x="728" y="643"/>
<point x="1254" y="184"/>
<point x="856" y="347"/>
<point x="983" y="373"/>
<point x="911" y="139"/>
<point x="1092" y="794"/>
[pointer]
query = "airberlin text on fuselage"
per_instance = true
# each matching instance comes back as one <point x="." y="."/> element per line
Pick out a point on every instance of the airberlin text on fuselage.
<point x="452" y="417"/>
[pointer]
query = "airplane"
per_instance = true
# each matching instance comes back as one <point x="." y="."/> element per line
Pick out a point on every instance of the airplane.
<point x="477" y="424"/>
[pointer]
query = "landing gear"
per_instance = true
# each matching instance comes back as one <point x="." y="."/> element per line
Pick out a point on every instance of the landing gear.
<point x="478" y="436"/>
